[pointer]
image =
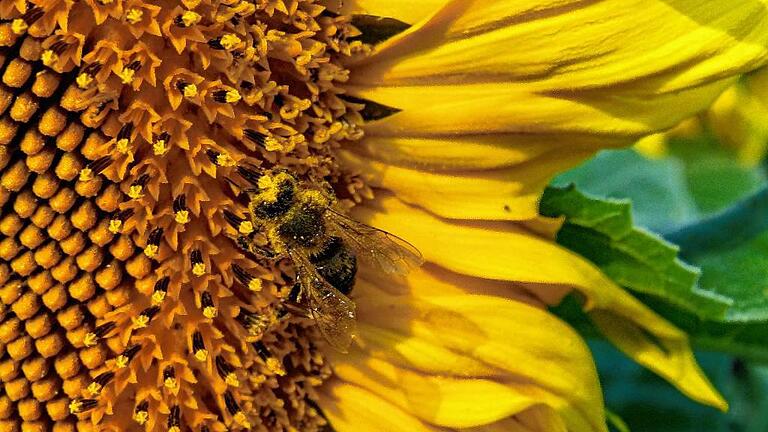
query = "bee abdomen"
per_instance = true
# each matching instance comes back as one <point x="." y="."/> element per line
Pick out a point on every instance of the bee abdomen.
<point x="337" y="264"/>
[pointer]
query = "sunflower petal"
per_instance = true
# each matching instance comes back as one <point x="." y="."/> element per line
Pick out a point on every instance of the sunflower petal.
<point x="682" y="367"/>
<point x="465" y="152"/>
<point x="505" y="251"/>
<point x="540" y="418"/>
<point x="456" y="350"/>
<point x="350" y="408"/>
<point x="508" y="193"/>
<point x="576" y="67"/>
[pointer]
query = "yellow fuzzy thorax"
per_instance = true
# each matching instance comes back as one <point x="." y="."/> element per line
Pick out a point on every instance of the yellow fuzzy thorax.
<point x="304" y="199"/>
<point x="125" y="305"/>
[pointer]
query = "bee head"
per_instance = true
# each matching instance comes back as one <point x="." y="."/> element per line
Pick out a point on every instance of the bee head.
<point x="275" y="195"/>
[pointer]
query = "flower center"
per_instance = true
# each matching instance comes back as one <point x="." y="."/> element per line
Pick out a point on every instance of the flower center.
<point x="125" y="130"/>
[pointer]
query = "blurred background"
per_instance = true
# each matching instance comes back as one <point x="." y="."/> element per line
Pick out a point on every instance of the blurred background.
<point x="704" y="166"/>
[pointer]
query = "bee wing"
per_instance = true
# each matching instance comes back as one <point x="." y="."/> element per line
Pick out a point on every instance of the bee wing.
<point x="374" y="246"/>
<point x="332" y="311"/>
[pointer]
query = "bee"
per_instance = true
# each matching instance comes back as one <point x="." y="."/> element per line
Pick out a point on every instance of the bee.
<point x="300" y="221"/>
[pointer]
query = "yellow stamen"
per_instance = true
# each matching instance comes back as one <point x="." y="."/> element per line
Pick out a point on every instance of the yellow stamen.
<point x="49" y="58"/>
<point x="86" y="174"/>
<point x="242" y="420"/>
<point x="229" y="41"/>
<point x="84" y="80"/>
<point x="171" y="383"/>
<point x="19" y="26"/>
<point x="225" y="160"/>
<point x="127" y="75"/>
<point x="201" y="355"/>
<point x="159" y="147"/>
<point x="136" y="191"/>
<point x="231" y="379"/>
<point x="182" y="216"/>
<point x="275" y="366"/>
<point x="123" y="145"/>
<point x="105" y="2"/>
<point x="90" y="339"/>
<point x="141" y="322"/>
<point x="210" y="312"/>
<point x="190" y="91"/>
<point x="134" y="15"/>
<point x="158" y="297"/>
<point x="95" y="388"/>
<point x="190" y="18"/>
<point x="115" y="225"/>
<point x="75" y="406"/>
<point x="272" y="144"/>
<point x="151" y="250"/>
<point x="232" y="96"/>
<point x="245" y="228"/>
<point x="198" y="269"/>
<point x="141" y="417"/>
<point x="255" y="284"/>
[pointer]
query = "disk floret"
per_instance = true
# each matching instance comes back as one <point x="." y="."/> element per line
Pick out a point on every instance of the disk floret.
<point x="123" y="126"/>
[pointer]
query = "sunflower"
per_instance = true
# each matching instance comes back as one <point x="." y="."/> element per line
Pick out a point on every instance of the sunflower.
<point x="130" y="131"/>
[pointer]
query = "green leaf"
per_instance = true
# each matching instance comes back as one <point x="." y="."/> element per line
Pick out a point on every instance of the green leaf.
<point x="742" y="274"/>
<point x="713" y="176"/>
<point x="602" y="231"/>
<point x="732" y="250"/>
<point x="657" y="188"/>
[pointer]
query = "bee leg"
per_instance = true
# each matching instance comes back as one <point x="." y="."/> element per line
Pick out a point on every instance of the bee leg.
<point x="248" y="245"/>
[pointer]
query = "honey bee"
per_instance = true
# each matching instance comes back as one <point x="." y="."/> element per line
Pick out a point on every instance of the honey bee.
<point x="300" y="221"/>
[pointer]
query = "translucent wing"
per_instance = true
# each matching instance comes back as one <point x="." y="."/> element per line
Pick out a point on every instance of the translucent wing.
<point x="374" y="246"/>
<point x="332" y="311"/>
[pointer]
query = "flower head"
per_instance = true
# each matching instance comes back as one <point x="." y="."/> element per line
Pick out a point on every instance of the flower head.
<point x="135" y="134"/>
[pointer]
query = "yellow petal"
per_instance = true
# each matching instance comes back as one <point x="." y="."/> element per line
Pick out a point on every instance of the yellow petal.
<point x="350" y="408"/>
<point x="468" y="360"/>
<point x="404" y="10"/>
<point x="570" y="66"/>
<point x="443" y="401"/>
<point x="536" y="419"/>
<point x="465" y="152"/>
<point x="513" y="108"/>
<point x="508" y="193"/>
<point x="681" y="367"/>
<point x="505" y="251"/>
